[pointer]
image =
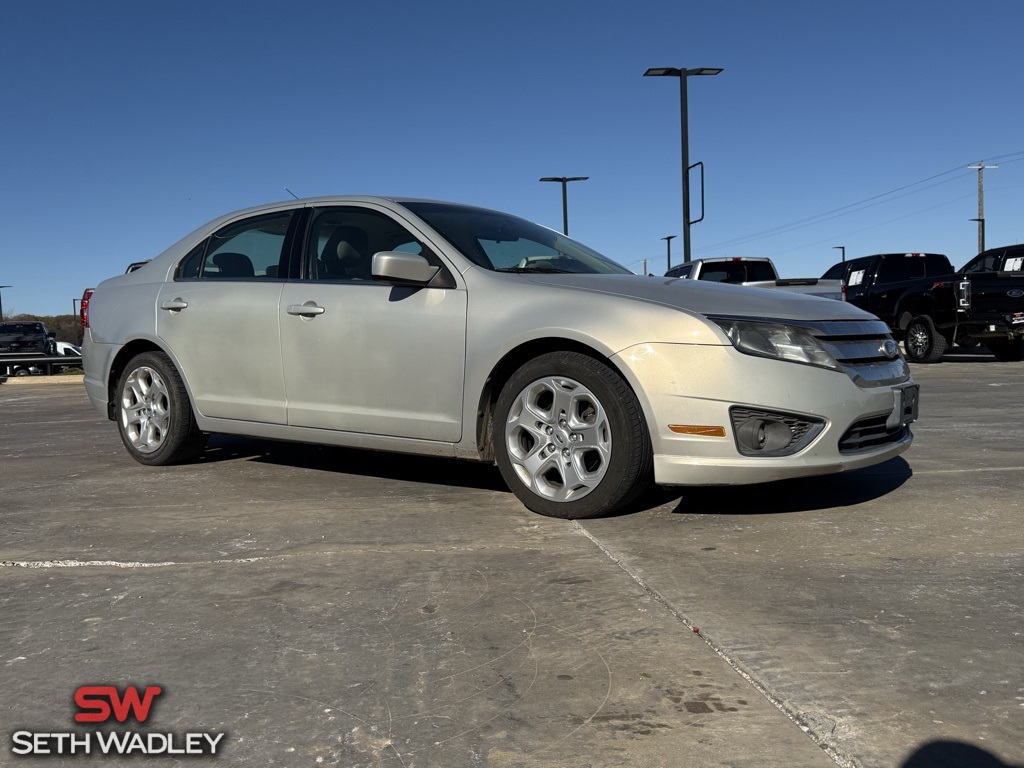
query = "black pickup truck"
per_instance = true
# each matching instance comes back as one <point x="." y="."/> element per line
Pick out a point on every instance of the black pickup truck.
<point x="20" y="339"/>
<point x="931" y="306"/>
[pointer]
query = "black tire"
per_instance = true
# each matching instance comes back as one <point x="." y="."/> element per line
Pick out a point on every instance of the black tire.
<point x="581" y="429"/>
<point x="153" y="413"/>
<point x="922" y="342"/>
<point x="22" y="372"/>
<point x="1006" y="350"/>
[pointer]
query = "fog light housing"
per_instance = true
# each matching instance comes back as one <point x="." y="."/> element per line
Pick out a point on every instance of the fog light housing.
<point x="772" y="433"/>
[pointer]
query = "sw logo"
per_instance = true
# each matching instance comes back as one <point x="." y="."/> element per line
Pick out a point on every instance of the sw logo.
<point x="98" y="702"/>
<point x="107" y="703"/>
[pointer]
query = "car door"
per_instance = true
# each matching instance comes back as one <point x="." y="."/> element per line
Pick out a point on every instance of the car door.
<point x="997" y="282"/>
<point x="219" y="319"/>
<point x="365" y="356"/>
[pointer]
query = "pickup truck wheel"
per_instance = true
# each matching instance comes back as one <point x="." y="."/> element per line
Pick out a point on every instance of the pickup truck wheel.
<point x="154" y="415"/>
<point x="923" y="343"/>
<point x="570" y="437"/>
<point x="1007" y="351"/>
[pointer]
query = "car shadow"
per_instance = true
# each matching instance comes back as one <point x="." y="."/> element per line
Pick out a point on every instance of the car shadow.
<point x="434" y="470"/>
<point x="953" y="754"/>
<point x="977" y="354"/>
<point x="799" y="495"/>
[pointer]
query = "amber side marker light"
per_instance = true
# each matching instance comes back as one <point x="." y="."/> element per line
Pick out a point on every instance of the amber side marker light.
<point x="697" y="429"/>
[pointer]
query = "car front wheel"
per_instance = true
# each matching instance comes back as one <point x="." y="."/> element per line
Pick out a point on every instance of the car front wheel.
<point x="154" y="416"/>
<point x="570" y="437"/>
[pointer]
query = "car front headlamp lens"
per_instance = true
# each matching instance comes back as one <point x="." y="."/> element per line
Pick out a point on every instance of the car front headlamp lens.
<point x="777" y="341"/>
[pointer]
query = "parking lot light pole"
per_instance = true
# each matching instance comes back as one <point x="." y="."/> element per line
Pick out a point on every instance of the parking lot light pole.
<point x="840" y="248"/>
<point x="565" y="199"/>
<point x="2" y="300"/>
<point x="682" y="74"/>
<point x="668" y="255"/>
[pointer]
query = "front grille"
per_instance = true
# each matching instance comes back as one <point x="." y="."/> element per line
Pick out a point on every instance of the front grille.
<point x="870" y="433"/>
<point x="859" y="347"/>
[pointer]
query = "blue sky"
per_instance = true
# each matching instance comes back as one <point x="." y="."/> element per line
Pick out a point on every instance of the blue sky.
<point x="127" y="125"/>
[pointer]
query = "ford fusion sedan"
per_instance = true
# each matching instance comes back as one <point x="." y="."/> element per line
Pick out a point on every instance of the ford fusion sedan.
<point x="434" y="328"/>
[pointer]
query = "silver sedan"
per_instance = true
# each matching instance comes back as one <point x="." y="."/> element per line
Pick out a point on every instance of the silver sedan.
<point x="428" y="327"/>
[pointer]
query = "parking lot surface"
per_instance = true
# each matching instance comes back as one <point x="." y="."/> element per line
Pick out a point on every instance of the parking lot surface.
<point x="322" y="606"/>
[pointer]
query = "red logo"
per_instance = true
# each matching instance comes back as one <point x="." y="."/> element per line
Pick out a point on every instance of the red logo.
<point x="96" y="703"/>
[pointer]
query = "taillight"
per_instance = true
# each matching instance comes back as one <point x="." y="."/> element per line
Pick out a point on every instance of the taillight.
<point x="84" y="311"/>
<point x="844" y="291"/>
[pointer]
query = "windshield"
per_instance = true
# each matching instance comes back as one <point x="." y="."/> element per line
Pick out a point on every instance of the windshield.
<point x="504" y="243"/>
<point x="22" y="328"/>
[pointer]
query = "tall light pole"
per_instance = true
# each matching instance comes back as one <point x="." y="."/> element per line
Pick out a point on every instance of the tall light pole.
<point x="682" y="74"/>
<point x="565" y="199"/>
<point x="841" y="248"/>
<point x="668" y="254"/>
<point x="980" y="168"/>
<point x="2" y="300"/>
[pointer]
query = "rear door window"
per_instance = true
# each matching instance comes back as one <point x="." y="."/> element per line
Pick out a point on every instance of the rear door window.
<point x="253" y="248"/>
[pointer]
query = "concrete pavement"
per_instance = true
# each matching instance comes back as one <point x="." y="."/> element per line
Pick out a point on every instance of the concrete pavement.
<point x="329" y="607"/>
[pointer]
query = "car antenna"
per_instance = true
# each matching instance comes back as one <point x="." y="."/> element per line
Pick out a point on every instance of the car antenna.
<point x="291" y="193"/>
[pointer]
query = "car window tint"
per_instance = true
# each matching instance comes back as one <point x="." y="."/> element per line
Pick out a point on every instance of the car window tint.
<point x="342" y="242"/>
<point x="936" y="264"/>
<point x="501" y="242"/>
<point x="835" y="272"/>
<point x="190" y="265"/>
<point x="680" y="271"/>
<point x="985" y="262"/>
<point x="251" y="248"/>
<point x="896" y="267"/>
<point x="758" y="271"/>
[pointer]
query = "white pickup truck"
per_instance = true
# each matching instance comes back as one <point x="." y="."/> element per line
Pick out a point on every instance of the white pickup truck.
<point x="755" y="272"/>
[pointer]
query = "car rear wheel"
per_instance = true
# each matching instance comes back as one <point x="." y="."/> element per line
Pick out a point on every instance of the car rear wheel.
<point x="1008" y="351"/>
<point x="570" y="437"/>
<point x="923" y="343"/>
<point x="154" y="416"/>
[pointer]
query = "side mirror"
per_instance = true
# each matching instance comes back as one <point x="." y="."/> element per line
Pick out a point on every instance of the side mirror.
<point x="407" y="268"/>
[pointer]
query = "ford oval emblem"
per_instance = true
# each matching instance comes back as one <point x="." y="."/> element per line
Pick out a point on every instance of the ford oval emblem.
<point x="889" y="348"/>
<point x="1016" y="293"/>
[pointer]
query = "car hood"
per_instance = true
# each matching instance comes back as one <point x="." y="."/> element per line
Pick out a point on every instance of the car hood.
<point x="709" y="298"/>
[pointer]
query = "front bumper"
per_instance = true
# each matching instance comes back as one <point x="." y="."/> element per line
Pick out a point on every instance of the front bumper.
<point x="681" y="384"/>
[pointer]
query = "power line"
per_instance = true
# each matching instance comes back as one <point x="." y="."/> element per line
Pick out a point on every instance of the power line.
<point x="858" y="206"/>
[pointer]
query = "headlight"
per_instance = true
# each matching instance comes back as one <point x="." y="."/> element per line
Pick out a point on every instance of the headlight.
<point x="778" y="341"/>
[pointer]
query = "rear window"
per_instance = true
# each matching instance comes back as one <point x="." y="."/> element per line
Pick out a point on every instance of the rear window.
<point x="23" y="328"/>
<point x="737" y="271"/>
<point x="897" y="267"/>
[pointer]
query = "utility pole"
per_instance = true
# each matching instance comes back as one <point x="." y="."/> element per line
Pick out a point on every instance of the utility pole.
<point x="980" y="168"/>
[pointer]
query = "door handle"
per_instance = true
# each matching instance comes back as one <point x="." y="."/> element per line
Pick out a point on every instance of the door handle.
<point x="309" y="309"/>
<point x="174" y="305"/>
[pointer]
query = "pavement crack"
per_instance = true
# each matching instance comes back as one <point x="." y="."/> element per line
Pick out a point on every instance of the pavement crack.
<point x="798" y="718"/>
